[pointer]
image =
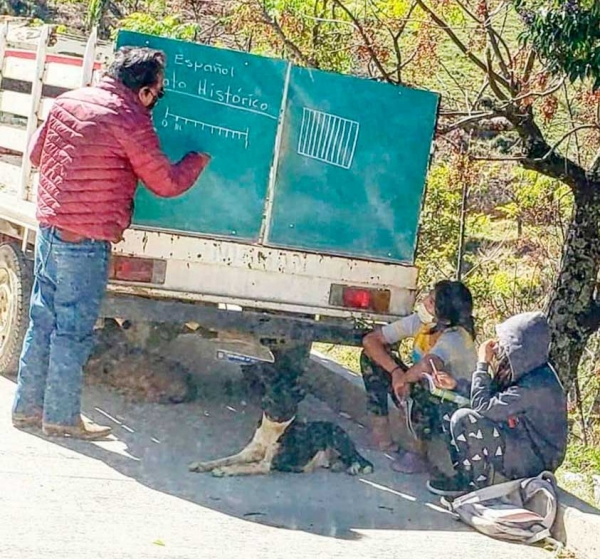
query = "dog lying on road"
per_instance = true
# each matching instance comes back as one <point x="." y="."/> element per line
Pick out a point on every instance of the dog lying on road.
<point x="292" y="446"/>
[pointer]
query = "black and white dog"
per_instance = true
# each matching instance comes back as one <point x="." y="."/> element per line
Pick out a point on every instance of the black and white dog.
<point x="291" y="446"/>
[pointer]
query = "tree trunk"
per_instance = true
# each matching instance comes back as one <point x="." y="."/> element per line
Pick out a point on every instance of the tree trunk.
<point x="574" y="313"/>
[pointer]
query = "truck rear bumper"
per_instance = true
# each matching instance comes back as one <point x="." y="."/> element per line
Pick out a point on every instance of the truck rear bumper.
<point x="253" y="276"/>
<point x="262" y="325"/>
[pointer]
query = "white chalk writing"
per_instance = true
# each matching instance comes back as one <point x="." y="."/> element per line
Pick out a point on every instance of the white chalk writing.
<point x="236" y="98"/>
<point x="217" y="102"/>
<point x="178" y="123"/>
<point x="211" y="68"/>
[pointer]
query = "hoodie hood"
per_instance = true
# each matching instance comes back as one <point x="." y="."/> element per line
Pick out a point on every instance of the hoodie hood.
<point x="526" y="340"/>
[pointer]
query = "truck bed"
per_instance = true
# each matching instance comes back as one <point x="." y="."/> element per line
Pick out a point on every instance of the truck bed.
<point x="208" y="269"/>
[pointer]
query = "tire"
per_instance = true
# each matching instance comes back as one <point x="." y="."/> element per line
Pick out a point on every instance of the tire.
<point x="16" y="279"/>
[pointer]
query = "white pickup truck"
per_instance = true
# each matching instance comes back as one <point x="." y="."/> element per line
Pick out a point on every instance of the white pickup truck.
<point x="261" y="295"/>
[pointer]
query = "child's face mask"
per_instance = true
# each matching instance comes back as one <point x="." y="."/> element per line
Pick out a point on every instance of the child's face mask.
<point x="424" y="315"/>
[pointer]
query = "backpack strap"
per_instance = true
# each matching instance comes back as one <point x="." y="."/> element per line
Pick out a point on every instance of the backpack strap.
<point x="546" y="477"/>
<point x="487" y="493"/>
<point x="503" y="489"/>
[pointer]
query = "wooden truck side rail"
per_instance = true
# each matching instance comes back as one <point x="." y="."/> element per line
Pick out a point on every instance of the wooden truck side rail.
<point x="189" y="270"/>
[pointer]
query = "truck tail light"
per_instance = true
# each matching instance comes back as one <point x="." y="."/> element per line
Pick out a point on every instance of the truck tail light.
<point x="140" y="270"/>
<point x="363" y="298"/>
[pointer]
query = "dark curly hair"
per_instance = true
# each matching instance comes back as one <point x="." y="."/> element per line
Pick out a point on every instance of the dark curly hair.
<point x="137" y="67"/>
<point x="453" y="306"/>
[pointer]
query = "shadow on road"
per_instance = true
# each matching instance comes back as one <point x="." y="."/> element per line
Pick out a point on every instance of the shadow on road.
<point x="154" y="444"/>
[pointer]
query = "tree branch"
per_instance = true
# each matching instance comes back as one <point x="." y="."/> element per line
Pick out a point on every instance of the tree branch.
<point x="366" y="40"/>
<point x="567" y="135"/>
<point x="458" y="84"/>
<point x="272" y="21"/>
<point x="514" y="158"/>
<point x="550" y="91"/>
<point x="494" y="44"/>
<point x="462" y="47"/>
<point x="492" y="78"/>
<point x="541" y="157"/>
<point x="400" y="62"/>
<point x="468" y="11"/>
<point x="468" y="120"/>
<point x="595" y="167"/>
<point x="572" y="119"/>
<point x="529" y="66"/>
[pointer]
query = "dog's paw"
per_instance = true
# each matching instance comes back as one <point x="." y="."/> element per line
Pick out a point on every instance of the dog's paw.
<point x="219" y="472"/>
<point x="354" y="469"/>
<point x="358" y="468"/>
<point x="198" y="467"/>
<point x="337" y="467"/>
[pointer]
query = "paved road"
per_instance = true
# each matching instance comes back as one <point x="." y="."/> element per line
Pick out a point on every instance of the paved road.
<point x="133" y="497"/>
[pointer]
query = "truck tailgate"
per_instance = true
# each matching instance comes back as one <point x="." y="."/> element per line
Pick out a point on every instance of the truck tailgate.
<point x="221" y="271"/>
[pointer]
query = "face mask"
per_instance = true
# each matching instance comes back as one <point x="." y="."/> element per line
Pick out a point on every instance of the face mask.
<point x="424" y="315"/>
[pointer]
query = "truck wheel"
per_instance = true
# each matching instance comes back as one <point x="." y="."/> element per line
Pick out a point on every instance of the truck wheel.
<point x="16" y="277"/>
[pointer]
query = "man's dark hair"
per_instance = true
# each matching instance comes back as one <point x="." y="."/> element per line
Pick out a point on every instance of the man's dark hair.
<point x="137" y="67"/>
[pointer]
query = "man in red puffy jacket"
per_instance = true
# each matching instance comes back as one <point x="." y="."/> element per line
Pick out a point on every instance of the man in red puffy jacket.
<point x="92" y="150"/>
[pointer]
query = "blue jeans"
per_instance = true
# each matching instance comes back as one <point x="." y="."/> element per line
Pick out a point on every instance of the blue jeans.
<point x="69" y="284"/>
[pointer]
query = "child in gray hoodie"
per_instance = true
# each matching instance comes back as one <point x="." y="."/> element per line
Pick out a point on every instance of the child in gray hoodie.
<point x="517" y="422"/>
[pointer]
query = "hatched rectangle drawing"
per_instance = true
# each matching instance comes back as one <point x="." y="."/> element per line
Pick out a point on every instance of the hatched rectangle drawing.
<point x="328" y="138"/>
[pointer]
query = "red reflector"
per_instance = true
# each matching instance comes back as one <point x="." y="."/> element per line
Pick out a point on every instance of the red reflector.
<point x="141" y="270"/>
<point x="363" y="298"/>
<point x="357" y="298"/>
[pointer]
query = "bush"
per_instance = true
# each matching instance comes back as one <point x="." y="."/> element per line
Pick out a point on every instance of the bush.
<point x="170" y="26"/>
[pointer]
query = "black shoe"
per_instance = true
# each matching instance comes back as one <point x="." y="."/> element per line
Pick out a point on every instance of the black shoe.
<point x="448" y="486"/>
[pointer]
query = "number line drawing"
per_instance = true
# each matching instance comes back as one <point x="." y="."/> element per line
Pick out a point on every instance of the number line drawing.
<point x="328" y="138"/>
<point x="246" y="109"/>
<point x="179" y="121"/>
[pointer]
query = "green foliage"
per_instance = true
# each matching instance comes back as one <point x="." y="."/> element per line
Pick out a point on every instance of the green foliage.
<point x="96" y="11"/>
<point x="169" y="26"/>
<point x="581" y="458"/>
<point x="324" y="39"/>
<point x="536" y="199"/>
<point x="348" y="357"/>
<point x="440" y="224"/>
<point x="566" y="33"/>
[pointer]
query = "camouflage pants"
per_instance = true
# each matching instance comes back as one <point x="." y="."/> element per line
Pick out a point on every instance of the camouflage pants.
<point x="281" y="392"/>
<point x="429" y="416"/>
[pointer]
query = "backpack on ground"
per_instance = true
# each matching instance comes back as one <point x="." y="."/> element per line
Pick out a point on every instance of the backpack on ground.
<point x="521" y="511"/>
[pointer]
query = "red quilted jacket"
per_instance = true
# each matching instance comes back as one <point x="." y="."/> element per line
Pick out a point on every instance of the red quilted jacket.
<point x="95" y="145"/>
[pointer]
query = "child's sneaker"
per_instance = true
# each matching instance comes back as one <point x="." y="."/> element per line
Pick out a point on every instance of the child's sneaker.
<point x="441" y="484"/>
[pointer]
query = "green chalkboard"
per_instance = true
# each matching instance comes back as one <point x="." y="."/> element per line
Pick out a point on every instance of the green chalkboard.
<point x="332" y="164"/>
<point x="228" y="104"/>
<point x="352" y="163"/>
